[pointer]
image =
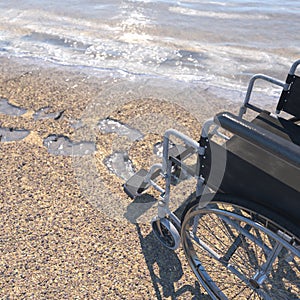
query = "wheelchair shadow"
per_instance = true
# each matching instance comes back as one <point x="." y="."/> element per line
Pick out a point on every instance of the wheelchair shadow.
<point x="165" y="269"/>
<point x="163" y="264"/>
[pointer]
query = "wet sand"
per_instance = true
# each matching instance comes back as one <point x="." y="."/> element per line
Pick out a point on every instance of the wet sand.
<point x="67" y="229"/>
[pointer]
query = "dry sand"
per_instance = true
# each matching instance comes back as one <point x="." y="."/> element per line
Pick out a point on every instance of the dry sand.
<point x="67" y="230"/>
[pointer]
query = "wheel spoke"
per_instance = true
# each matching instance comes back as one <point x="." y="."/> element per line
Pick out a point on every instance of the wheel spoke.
<point x="210" y="229"/>
<point x="216" y="256"/>
<point x="237" y="257"/>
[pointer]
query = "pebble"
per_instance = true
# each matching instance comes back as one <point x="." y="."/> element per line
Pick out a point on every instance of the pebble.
<point x="57" y="242"/>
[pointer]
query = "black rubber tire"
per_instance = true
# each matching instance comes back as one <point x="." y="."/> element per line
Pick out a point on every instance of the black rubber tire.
<point x="169" y="235"/>
<point x="204" y="265"/>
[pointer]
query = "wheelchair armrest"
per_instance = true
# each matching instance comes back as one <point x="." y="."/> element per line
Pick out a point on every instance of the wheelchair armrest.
<point x="260" y="137"/>
<point x="246" y="103"/>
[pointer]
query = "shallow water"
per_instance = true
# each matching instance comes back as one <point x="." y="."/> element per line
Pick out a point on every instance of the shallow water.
<point x="11" y="135"/>
<point x="61" y="145"/>
<point x="10" y="109"/>
<point x="113" y="126"/>
<point x="45" y="113"/>
<point x="120" y="164"/>
<point x="217" y="43"/>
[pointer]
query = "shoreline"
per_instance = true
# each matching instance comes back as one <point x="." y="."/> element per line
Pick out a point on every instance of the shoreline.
<point x="64" y="228"/>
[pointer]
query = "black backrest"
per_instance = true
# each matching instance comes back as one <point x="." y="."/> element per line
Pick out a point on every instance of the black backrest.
<point x="290" y="99"/>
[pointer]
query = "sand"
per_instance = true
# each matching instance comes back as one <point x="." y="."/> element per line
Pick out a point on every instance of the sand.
<point x="67" y="229"/>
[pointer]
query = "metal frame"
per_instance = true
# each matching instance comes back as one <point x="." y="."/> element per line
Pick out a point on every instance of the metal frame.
<point x="166" y="169"/>
<point x="284" y="85"/>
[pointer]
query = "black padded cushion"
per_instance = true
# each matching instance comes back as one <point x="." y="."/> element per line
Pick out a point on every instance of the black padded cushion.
<point x="282" y="127"/>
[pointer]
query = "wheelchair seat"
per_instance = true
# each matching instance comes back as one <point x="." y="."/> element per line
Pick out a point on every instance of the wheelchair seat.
<point x="287" y="129"/>
<point x="277" y="180"/>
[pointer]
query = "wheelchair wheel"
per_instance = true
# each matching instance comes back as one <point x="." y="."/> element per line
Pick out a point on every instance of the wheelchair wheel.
<point x="239" y="253"/>
<point x="166" y="233"/>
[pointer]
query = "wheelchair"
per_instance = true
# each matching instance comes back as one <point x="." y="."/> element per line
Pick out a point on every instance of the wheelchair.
<point x="240" y="228"/>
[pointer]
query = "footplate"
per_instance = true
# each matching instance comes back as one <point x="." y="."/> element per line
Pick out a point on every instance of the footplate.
<point x="137" y="184"/>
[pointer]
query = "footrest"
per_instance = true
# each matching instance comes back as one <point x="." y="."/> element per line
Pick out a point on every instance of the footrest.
<point x="136" y="184"/>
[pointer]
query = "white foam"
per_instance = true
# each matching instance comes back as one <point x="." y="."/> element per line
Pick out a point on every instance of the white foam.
<point x="218" y="15"/>
<point x="217" y="46"/>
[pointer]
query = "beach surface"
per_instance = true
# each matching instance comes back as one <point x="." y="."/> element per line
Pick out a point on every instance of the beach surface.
<point x="87" y="89"/>
<point x="67" y="229"/>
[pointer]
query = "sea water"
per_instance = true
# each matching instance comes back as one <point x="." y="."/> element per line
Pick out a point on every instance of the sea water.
<point x="214" y="43"/>
<point x="173" y="51"/>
